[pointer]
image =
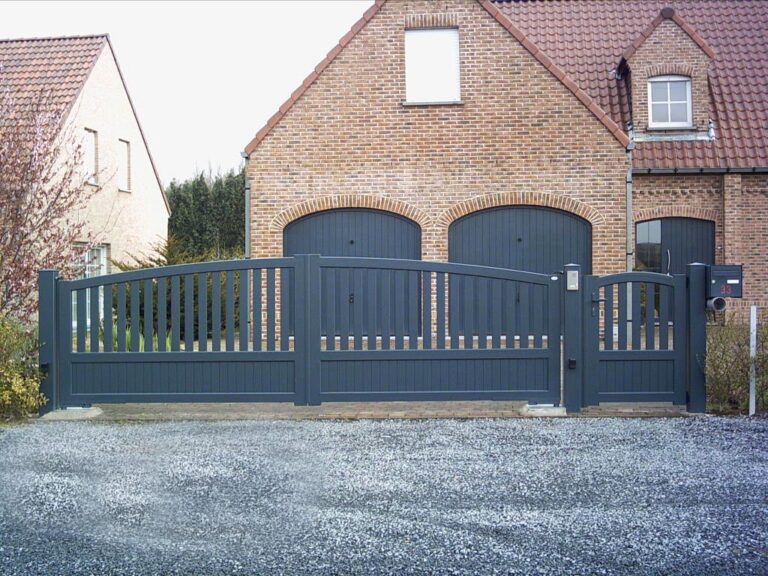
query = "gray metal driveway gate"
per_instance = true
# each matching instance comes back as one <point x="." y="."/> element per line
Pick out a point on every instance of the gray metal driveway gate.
<point x="309" y="329"/>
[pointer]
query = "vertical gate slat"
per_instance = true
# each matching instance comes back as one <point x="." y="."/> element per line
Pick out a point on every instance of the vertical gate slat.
<point x="358" y="309"/>
<point x="94" y="318"/>
<point x="135" y="316"/>
<point x="270" y="309"/>
<point x="230" y="306"/>
<point x="510" y="304"/>
<point x="149" y="322"/>
<point x="286" y="306"/>
<point x="426" y="309"/>
<point x="454" y="312"/>
<point x="162" y="302"/>
<point x="622" y="288"/>
<point x="257" y="309"/>
<point x="608" y="332"/>
<point x="650" y="316"/>
<point x="413" y="309"/>
<point x="175" y="314"/>
<point x="663" y="317"/>
<point x="400" y="313"/>
<point x="440" y="298"/>
<point x="342" y="277"/>
<point x="372" y="307"/>
<point x="108" y="321"/>
<point x="202" y="311"/>
<point x="539" y="314"/>
<point x="523" y="309"/>
<point x="82" y="320"/>
<point x="495" y="313"/>
<point x="469" y="301"/>
<point x="189" y="312"/>
<point x="216" y="311"/>
<point x="482" y="299"/>
<point x="329" y="295"/>
<point x="386" y="302"/>
<point x="636" y="318"/>
<point x="244" y="297"/>
<point x="121" y="323"/>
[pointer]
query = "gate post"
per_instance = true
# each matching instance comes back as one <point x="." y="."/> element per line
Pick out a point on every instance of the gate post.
<point x="307" y="343"/>
<point x="697" y="338"/>
<point x="47" y="322"/>
<point x="573" y="344"/>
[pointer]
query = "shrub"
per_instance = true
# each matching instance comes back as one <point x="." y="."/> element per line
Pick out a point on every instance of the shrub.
<point x="19" y="376"/>
<point x="727" y="365"/>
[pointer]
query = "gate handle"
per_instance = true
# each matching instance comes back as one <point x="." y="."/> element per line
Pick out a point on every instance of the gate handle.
<point x="669" y="260"/>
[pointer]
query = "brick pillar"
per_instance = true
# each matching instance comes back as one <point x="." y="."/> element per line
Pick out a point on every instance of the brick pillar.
<point x="732" y="219"/>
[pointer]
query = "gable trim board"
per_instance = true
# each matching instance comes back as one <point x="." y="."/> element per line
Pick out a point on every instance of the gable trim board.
<point x="601" y="115"/>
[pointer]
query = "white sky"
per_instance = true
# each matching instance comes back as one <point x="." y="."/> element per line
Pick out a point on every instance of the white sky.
<point x="204" y="76"/>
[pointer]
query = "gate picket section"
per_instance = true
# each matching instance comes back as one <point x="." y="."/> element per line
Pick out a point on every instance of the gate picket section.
<point x="175" y="334"/>
<point x="635" y="338"/>
<point x="400" y="336"/>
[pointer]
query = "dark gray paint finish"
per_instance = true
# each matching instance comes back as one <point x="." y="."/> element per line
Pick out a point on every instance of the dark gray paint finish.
<point x="527" y="238"/>
<point x="684" y="241"/>
<point x="363" y="233"/>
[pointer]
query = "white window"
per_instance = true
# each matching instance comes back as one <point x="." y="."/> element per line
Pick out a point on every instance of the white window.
<point x="669" y="102"/>
<point x="91" y="156"/>
<point x="432" y="72"/>
<point x="95" y="261"/>
<point x="124" y="166"/>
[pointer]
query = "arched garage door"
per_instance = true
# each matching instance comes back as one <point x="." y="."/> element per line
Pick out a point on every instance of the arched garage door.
<point x="364" y="233"/>
<point x="522" y="238"/>
<point x="356" y="232"/>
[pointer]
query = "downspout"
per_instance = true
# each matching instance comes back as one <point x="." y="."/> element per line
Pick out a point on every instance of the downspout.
<point x="247" y="192"/>
<point x="630" y="215"/>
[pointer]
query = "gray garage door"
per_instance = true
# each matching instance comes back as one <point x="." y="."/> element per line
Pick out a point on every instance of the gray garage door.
<point x="365" y="233"/>
<point x="522" y="238"/>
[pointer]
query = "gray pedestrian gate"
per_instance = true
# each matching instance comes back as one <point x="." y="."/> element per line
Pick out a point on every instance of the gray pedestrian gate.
<point x="309" y="329"/>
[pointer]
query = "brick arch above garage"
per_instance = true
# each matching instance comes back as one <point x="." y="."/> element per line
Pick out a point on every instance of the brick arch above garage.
<point x="369" y="201"/>
<point x="676" y="212"/>
<point x="544" y="200"/>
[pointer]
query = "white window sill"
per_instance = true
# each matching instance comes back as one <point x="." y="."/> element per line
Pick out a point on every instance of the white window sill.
<point x="668" y="127"/>
<point x="421" y="104"/>
<point x="124" y="190"/>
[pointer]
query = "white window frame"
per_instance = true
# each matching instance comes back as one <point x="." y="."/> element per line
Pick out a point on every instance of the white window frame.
<point x="416" y="93"/>
<point x="124" y="180"/>
<point x="689" y="108"/>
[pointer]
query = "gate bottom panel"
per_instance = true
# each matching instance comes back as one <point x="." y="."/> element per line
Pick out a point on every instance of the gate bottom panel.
<point x="436" y="375"/>
<point x="194" y="377"/>
<point x="635" y="380"/>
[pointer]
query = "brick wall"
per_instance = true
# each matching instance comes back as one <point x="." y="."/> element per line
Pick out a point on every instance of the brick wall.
<point x="752" y="221"/>
<point x="669" y="50"/>
<point x="519" y="137"/>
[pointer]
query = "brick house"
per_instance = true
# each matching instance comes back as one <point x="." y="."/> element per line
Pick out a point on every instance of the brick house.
<point x="613" y="133"/>
<point x="128" y="214"/>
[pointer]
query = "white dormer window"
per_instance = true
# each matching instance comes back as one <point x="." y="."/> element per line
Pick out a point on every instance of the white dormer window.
<point x="669" y="102"/>
<point x="432" y="74"/>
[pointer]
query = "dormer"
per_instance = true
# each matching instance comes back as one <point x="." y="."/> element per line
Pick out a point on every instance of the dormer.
<point x="668" y="81"/>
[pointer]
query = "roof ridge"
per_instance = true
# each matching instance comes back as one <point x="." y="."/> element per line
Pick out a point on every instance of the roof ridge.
<point x="668" y="13"/>
<point x="104" y="35"/>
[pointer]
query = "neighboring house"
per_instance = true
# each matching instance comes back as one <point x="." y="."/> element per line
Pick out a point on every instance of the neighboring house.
<point x="522" y="134"/>
<point x="129" y="212"/>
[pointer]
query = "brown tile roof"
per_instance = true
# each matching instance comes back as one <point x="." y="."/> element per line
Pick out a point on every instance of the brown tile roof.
<point x="61" y="65"/>
<point x="587" y="38"/>
<point x="58" y="64"/>
<point x="591" y="103"/>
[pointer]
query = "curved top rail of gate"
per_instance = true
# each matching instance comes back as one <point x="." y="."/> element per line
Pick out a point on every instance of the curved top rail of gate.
<point x="630" y="277"/>
<point x="180" y="270"/>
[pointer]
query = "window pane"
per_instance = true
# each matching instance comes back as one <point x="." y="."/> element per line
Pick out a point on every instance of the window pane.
<point x="432" y="65"/>
<point x="659" y="91"/>
<point x="124" y="166"/>
<point x="678" y="112"/>
<point x="89" y="156"/>
<point x="648" y="246"/>
<point x="659" y="113"/>
<point x="642" y="233"/>
<point x="678" y="91"/>
<point x="654" y="231"/>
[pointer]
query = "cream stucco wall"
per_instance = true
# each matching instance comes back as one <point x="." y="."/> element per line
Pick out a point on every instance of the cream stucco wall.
<point x="129" y="222"/>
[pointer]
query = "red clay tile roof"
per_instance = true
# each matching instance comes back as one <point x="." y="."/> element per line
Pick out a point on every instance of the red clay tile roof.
<point x="587" y="39"/>
<point x="592" y="104"/>
<point x="61" y="65"/>
<point x="58" y="64"/>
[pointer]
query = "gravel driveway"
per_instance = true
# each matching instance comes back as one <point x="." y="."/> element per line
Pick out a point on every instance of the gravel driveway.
<point x="573" y="496"/>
